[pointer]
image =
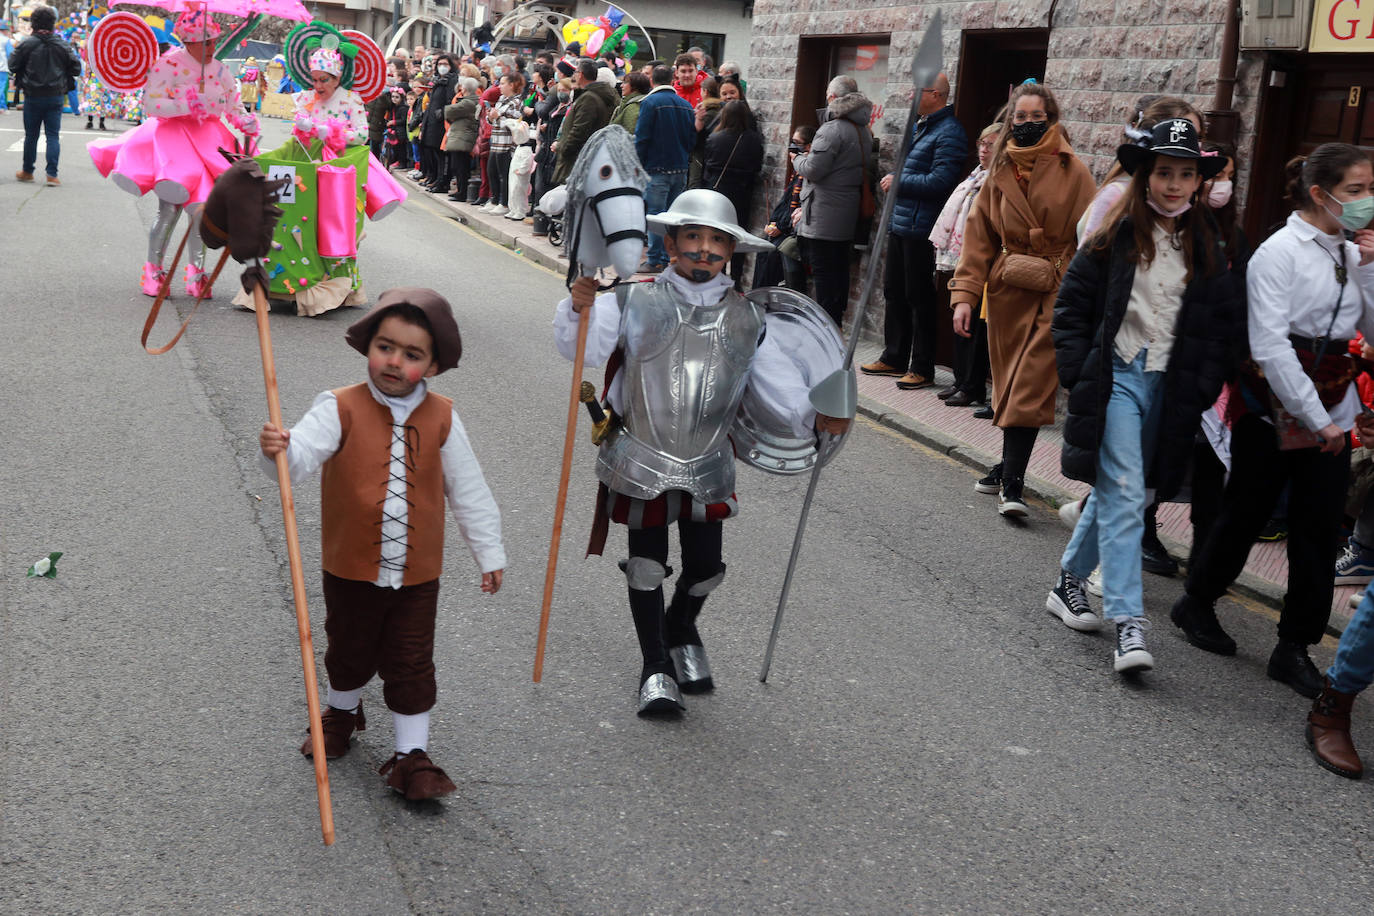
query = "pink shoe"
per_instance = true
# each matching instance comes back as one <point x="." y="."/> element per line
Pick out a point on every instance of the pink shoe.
<point x="197" y="283"/>
<point x="153" y="275"/>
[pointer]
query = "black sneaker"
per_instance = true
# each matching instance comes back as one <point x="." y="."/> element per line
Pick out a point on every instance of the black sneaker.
<point x="992" y="483"/>
<point x="1009" y="501"/>
<point x="1198" y="621"/>
<point x="1276" y="529"/>
<point x="1154" y="558"/>
<point x="1069" y="602"/>
<point x="1290" y="664"/>
<point x="1130" y="655"/>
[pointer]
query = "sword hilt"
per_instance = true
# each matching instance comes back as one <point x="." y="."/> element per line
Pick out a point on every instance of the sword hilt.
<point x="601" y="422"/>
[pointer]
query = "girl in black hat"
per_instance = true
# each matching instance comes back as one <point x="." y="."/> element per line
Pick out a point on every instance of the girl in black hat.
<point x="1144" y="331"/>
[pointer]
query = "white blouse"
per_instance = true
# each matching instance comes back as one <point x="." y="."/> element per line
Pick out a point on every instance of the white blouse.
<point x="176" y="88"/>
<point x="1152" y="310"/>
<point x="1292" y="286"/>
<point x="344" y="105"/>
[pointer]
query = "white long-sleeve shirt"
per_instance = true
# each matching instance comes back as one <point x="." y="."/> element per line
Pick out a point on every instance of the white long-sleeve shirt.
<point x="1292" y="286"/>
<point x="180" y="85"/>
<point x="317" y="437"/>
<point x="781" y="382"/>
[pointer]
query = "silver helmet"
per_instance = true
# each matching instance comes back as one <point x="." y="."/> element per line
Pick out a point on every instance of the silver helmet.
<point x="704" y="207"/>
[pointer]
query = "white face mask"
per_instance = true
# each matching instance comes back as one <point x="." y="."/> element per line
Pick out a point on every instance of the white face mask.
<point x="443" y="70"/>
<point x="1219" y="194"/>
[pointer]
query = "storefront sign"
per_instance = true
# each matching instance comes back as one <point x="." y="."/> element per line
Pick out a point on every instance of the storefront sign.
<point x="1342" y="26"/>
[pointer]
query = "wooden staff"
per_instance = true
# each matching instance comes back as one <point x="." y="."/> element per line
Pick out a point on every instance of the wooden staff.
<point x="293" y="552"/>
<point x="562" y="500"/>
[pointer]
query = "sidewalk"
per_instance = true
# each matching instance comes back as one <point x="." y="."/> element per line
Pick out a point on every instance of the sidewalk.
<point x="952" y="431"/>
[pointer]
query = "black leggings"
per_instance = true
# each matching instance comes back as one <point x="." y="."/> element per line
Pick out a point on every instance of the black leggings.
<point x="498" y="173"/>
<point x="1017" y="443"/>
<point x="701" y="547"/>
<point x="459" y="169"/>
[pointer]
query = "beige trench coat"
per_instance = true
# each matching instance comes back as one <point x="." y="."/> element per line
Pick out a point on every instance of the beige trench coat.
<point x="1039" y="221"/>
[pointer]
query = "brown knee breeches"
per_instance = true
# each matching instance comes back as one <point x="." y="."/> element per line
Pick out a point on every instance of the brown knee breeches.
<point x="382" y="631"/>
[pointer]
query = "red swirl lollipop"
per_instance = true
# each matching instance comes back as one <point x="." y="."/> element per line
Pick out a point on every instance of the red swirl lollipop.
<point x="122" y="49"/>
<point x="369" y="67"/>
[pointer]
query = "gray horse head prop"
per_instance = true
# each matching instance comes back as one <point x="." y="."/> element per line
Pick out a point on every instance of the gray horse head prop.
<point x="604" y="215"/>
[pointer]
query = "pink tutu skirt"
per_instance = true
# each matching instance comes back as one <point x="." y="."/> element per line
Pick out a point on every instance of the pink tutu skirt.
<point x="176" y="158"/>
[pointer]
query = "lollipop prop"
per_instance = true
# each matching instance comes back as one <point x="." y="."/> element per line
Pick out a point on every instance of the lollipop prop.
<point x="122" y="50"/>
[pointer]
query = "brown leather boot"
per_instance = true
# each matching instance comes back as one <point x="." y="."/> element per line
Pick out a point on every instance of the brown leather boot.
<point x="1328" y="733"/>
<point x="338" y="726"/>
<point x="416" y="776"/>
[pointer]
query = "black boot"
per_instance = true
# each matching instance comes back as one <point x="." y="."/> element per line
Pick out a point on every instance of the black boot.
<point x="692" y="667"/>
<point x="1154" y="558"/>
<point x="1198" y="621"/>
<point x="658" y="690"/>
<point x="1290" y="664"/>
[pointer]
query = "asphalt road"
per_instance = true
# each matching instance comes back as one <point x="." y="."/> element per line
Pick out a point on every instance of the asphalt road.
<point x="930" y="739"/>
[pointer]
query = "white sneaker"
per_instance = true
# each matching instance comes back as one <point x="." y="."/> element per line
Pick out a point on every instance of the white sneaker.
<point x="1094" y="583"/>
<point x="497" y="210"/>
<point x="1130" y="654"/>
<point x="415" y="175"/>
<point x="1069" y="513"/>
<point x="486" y="207"/>
<point x="1069" y="604"/>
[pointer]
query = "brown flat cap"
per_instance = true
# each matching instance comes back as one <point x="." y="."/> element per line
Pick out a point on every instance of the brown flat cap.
<point x="448" y="343"/>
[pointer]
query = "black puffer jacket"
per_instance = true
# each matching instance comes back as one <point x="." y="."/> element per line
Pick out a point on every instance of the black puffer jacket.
<point x="1087" y="316"/>
<point x="440" y="94"/>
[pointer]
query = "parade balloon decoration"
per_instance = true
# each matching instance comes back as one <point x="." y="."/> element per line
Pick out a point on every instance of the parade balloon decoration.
<point x="122" y="50"/>
<point x="601" y="34"/>
<point x="369" y="67"/>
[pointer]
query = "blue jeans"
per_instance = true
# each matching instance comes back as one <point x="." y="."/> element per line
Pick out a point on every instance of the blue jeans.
<point x="663" y="189"/>
<point x="1108" y="533"/>
<point x="4" y="91"/>
<point x="47" y="112"/>
<point x="1353" y="669"/>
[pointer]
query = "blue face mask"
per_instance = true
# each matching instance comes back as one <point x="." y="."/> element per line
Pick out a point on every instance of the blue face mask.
<point x="1355" y="214"/>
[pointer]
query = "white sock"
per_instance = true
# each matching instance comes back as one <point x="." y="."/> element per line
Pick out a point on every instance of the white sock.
<point x="412" y="732"/>
<point x="347" y="700"/>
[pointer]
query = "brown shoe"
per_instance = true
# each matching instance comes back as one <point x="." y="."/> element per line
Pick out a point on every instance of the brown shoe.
<point x="53" y="182"/>
<point x="878" y="367"/>
<point x="911" y="381"/>
<point x="416" y="777"/>
<point x="1328" y="733"/>
<point x="24" y="176"/>
<point x="338" y="726"/>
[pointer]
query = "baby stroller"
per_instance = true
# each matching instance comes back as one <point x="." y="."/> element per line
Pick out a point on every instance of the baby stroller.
<point x="550" y="210"/>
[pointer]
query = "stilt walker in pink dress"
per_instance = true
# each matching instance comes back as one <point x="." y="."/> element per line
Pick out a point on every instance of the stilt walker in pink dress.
<point x="175" y="152"/>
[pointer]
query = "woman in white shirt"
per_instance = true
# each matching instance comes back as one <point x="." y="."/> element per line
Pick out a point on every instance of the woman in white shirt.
<point x="1309" y="290"/>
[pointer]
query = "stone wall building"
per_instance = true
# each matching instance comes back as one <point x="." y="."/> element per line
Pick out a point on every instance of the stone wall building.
<point x="1298" y="80"/>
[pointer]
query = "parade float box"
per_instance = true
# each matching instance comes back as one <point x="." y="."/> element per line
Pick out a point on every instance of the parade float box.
<point x="317" y="235"/>
<point x="278" y="105"/>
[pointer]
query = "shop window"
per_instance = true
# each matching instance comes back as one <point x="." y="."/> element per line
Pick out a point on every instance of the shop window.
<point x="819" y="60"/>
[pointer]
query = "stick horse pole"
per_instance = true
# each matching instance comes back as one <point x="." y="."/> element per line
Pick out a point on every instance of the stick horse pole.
<point x="603" y="227"/>
<point x="240" y="214"/>
<point x="924" y="68"/>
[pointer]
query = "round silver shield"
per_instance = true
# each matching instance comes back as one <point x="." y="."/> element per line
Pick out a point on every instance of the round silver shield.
<point x="809" y="337"/>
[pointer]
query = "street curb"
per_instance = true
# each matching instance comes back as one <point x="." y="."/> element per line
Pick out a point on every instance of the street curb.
<point x="498" y="234"/>
<point x="1247" y="585"/>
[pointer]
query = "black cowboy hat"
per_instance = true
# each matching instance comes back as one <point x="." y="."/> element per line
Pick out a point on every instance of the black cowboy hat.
<point x="1175" y="137"/>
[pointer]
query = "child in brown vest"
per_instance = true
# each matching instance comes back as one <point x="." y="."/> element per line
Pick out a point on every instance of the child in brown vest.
<point x="391" y="453"/>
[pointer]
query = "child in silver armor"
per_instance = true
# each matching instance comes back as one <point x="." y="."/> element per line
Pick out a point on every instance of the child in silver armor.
<point x="681" y="353"/>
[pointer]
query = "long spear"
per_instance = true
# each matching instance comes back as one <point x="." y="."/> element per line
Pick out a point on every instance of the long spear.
<point x="925" y="66"/>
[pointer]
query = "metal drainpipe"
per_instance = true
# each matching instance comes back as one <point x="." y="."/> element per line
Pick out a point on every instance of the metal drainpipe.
<point x="1223" y="121"/>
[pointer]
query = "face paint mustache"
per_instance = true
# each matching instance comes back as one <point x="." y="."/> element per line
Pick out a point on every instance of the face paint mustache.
<point x="700" y="274"/>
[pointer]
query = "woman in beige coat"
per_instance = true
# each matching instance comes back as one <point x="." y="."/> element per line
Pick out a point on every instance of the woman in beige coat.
<point x="1018" y="241"/>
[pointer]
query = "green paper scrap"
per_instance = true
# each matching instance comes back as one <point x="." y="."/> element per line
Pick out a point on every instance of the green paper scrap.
<point x="47" y="567"/>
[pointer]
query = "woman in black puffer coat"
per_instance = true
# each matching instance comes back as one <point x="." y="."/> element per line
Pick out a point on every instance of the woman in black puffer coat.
<point x="1147" y="326"/>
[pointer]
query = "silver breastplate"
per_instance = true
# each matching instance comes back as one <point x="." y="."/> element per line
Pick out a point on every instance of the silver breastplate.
<point x="681" y="384"/>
